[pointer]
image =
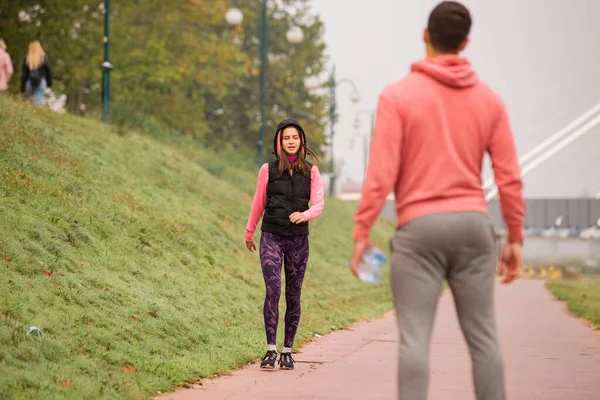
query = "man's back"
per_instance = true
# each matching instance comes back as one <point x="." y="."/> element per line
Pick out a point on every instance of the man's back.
<point x="436" y="126"/>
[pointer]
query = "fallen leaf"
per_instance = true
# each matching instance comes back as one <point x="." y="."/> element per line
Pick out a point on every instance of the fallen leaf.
<point x="68" y="383"/>
<point x="49" y="274"/>
<point x="196" y="381"/>
<point x="129" y="368"/>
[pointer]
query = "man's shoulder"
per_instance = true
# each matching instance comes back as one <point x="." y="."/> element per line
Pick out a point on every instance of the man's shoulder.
<point x="395" y="87"/>
<point x="490" y="96"/>
<point x="400" y="87"/>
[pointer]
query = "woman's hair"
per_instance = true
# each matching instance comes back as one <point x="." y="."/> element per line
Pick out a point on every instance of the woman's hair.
<point x="300" y="165"/>
<point x="2" y="44"/>
<point x="35" y="55"/>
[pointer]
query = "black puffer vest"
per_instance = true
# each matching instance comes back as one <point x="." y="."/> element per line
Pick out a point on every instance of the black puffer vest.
<point x="286" y="194"/>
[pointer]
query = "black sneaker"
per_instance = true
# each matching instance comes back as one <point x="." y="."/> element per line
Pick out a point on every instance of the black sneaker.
<point x="286" y="361"/>
<point x="268" y="361"/>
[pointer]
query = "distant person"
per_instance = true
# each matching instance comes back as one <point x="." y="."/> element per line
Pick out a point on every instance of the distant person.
<point x="36" y="77"/>
<point x="285" y="187"/>
<point x="432" y="131"/>
<point x="6" y="67"/>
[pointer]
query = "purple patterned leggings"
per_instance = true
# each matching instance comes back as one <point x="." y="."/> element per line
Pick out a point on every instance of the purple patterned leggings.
<point x="293" y="252"/>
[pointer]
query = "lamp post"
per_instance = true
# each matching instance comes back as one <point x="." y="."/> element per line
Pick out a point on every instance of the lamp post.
<point x="106" y="67"/>
<point x="354" y="97"/>
<point x="295" y="35"/>
<point x="371" y="113"/>
<point x="365" y="149"/>
<point x="356" y="124"/>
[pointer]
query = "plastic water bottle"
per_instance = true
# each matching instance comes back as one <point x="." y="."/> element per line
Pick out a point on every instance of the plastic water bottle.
<point x="370" y="270"/>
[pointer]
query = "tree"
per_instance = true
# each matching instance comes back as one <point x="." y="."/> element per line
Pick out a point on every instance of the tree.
<point x="290" y="69"/>
<point x="67" y="29"/>
<point x="177" y="64"/>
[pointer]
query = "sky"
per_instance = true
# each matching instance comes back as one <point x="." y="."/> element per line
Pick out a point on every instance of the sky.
<point x="541" y="56"/>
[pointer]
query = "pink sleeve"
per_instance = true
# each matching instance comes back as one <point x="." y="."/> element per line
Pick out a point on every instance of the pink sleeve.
<point x="9" y="67"/>
<point x="507" y="175"/>
<point x="383" y="168"/>
<point x="258" y="205"/>
<point x="317" y="195"/>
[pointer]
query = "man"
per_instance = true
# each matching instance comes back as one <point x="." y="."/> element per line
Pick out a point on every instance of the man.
<point x="432" y="131"/>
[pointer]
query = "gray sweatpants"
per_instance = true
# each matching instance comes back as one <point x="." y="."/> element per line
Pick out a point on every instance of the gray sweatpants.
<point x="460" y="248"/>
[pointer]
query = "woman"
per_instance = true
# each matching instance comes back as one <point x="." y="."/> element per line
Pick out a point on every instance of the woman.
<point x="285" y="187"/>
<point x="36" y="76"/>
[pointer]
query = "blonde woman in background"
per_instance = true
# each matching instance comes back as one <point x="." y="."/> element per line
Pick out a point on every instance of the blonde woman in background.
<point x="6" y="67"/>
<point x="37" y="76"/>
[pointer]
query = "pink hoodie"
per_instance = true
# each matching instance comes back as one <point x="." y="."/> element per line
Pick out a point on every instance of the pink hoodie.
<point x="317" y="196"/>
<point x="432" y="131"/>
<point x="6" y="70"/>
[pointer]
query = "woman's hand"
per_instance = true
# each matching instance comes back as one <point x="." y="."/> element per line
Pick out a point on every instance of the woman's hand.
<point x="297" y="218"/>
<point x="251" y="246"/>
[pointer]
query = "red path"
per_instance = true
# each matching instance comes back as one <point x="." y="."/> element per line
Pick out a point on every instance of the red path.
<point x="549" y="355"/>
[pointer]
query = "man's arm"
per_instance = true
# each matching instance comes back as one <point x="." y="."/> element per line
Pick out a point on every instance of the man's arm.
<point x="507" y="175"/>
<point x="384" y="165"/>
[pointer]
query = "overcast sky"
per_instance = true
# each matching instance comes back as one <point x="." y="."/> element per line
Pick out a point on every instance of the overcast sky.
<point x="542" y="56"/>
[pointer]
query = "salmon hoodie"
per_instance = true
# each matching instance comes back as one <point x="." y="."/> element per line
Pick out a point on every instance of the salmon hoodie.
<point x="432" y="131"/>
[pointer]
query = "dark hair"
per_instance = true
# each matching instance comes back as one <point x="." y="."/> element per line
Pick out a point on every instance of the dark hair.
<point x="300" y="165"/>
<point x="449" y="25"/>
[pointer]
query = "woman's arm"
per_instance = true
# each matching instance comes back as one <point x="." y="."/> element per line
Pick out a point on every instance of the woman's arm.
<point x="317" y="195"/>
<point x="258" y="204"/>
<point x="24" y="76"/>
<point x="48" y="73"/>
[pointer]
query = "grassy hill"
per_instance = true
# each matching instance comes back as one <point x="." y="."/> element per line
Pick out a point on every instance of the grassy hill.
<point x="128" y="253"/>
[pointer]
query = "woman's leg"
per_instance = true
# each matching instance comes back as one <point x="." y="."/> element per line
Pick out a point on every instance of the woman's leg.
<point x="295" y="260"/>
<point x="38" y="92"/>
<point x="271" y="257"/>
<point x="28" y="89"/>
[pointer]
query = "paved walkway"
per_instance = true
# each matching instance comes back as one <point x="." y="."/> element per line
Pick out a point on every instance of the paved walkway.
<point x="549" y="355"/>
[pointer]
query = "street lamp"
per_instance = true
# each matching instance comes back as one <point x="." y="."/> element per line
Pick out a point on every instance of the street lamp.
<point x="371" y="113"/>
<point x="234" y="16"/>
<point x="294" y="36"/>
<point x="365" y="149"/>
<point x="106" y="67"/>
<point x="356" y="125"/>
<point x="355" y="98"/>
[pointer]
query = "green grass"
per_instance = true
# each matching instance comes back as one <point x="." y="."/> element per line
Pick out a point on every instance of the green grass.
<point x="128" y="253"/>
<point x="582" y="298"/>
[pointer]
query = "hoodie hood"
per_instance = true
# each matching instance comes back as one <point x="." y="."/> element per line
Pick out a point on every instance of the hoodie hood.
<point x="451" y="70"/>
<point x="277" y="139"/>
